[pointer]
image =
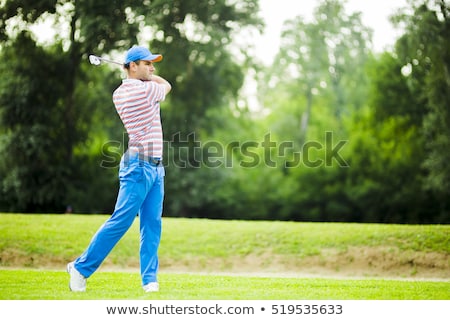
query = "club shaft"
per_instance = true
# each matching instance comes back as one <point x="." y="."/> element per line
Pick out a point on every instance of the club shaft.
<point x="110" y="61"/>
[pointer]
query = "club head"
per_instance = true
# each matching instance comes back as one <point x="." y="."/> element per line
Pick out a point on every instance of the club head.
<point x="96" y="61"/>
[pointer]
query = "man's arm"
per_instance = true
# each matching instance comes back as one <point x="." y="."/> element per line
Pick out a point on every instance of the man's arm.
<point x="164" y="82"/>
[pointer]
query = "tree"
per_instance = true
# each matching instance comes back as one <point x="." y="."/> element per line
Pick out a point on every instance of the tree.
<point x="206" y="73"/>
<point x="199" y="65"/>
<point x="197" y="44"/>
<point x="424" y="50"/>
<point x="316" y="84"/>
<point x="384" y="181"/>
<point x="325" y="55"/>
<point x="400" y="148"/>
<point x="33" y="177"/>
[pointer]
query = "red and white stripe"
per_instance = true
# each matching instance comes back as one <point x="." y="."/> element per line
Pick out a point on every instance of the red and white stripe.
<point x="137" y="103"/>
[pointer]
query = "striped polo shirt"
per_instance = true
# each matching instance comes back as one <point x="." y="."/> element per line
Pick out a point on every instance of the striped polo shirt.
<point x="137" y="103"/>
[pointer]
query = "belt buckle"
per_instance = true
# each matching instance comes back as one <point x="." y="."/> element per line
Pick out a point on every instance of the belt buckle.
<point x="156" y="162"/>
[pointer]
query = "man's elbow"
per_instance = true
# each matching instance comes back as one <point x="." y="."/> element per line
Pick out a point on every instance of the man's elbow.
<point x="168" y="88"/>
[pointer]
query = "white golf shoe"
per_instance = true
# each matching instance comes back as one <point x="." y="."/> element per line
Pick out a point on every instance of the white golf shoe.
<point x="151" y="287"/>
<point x="77" y="281"/>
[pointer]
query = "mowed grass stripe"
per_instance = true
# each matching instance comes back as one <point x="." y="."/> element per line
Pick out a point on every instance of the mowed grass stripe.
<point x="53" y="285"/>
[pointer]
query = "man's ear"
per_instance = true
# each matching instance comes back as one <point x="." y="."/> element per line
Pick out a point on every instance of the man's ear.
<point x="133" y="65"/>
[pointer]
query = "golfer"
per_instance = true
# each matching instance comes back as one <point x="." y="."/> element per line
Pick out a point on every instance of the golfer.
<point x="141" y="173"/>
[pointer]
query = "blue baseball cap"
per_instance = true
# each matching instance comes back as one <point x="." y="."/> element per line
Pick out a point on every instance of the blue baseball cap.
<point x="141" y="53"/>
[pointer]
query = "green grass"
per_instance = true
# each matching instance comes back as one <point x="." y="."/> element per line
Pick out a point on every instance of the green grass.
<point x="34" y="250"/>
<point x="63" y="236"/>
<point x="53" y="285"/>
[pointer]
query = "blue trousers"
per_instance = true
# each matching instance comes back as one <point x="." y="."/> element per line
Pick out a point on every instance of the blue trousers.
<point x="141" y="192"/>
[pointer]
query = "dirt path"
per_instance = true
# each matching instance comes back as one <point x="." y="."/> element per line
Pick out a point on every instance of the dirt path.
<point x="353" y="263"/>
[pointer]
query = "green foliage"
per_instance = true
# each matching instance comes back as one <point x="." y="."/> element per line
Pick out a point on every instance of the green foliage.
<point x="33" y="166"/>
<point x="323" y="58"/>
<point x="61" y="139"/>
<point x="27" y="12"/>
<point x="47" y="124"/>
<point x="195" y="38"/>
<point x="94" y="181"/>
<point x="318" y="82"/>
<point x="386" y="150"/>
<point x="399" y="159"/>
<point x="391" y="95"/>
<point x="392" y="111"/>
<point x="425" y="49"/>
<point x="204" y="73"/>
<point x="385" y="181"/>
<point x="39" y="127"/>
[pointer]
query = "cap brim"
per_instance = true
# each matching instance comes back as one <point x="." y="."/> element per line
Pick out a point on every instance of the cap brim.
<point x="153" y="58"/>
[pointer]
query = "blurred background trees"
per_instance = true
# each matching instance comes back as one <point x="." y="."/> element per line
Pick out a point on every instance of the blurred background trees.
<point x="339" y="134"/>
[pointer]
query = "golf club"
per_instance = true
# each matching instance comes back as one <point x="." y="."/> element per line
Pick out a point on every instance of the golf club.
<point x="96" y="60"/>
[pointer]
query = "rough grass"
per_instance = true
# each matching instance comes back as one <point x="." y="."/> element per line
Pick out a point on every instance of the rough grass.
<point x="217" y="246"/>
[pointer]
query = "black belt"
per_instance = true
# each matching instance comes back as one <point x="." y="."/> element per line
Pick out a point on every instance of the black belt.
<point x="151" y="160"/>
<point x="155" y="161"/>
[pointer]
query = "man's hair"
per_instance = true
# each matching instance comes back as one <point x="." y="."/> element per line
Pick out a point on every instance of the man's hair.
<point x="127" y="65"/>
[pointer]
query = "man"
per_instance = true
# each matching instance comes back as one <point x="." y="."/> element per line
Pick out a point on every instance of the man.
<point x="141" y="173"/>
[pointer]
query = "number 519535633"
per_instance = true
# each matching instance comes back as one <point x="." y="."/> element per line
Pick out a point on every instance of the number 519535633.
<point x="307" y="309"/>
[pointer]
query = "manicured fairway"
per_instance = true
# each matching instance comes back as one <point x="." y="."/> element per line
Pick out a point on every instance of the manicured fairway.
<point x="53" y="285"/>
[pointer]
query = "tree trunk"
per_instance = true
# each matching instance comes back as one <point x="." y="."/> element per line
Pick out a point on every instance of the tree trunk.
<point x="304" y="122"/>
